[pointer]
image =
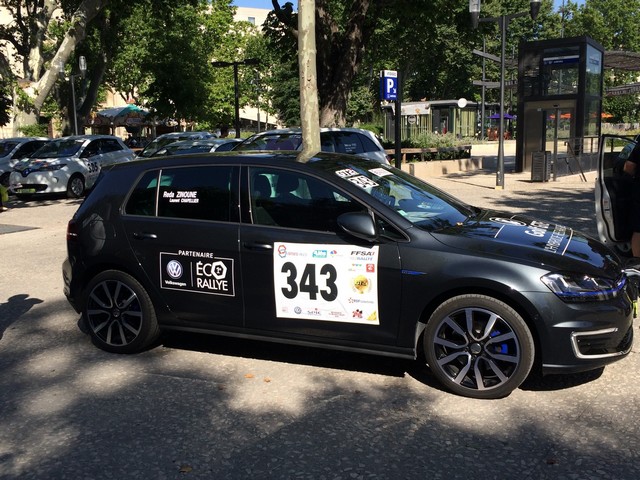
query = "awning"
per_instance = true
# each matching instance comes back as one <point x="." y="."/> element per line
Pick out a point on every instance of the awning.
<point x="128" y="115"/>
<point x="507" y="116"/>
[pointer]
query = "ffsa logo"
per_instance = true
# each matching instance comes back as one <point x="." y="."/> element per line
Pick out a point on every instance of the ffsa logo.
<point x="174" y="269"/>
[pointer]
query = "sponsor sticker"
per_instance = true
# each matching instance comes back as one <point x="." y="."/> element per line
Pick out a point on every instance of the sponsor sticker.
<point x="335" y="283"/>
<point x="199" y="272"/>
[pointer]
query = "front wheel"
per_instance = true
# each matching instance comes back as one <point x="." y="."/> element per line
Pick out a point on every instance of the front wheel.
<point x="119" y="313"/>
<point x="75" y="187"/>
<point x="478" y="346"/>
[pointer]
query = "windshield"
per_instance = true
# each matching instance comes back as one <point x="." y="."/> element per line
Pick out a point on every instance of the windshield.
<point x="272" y="141"/>
<point x="6" y="148"/>
<point x="422" y="204"/>
<point x="67" y="147"/>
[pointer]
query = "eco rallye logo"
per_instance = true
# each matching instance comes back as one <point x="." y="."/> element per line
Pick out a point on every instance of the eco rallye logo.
<point x="200" y="272"/>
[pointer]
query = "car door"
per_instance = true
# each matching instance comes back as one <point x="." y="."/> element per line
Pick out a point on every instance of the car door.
<point x="303" y="278"/>
<point x="613" y="192"/>
<point x="187" y="241"/>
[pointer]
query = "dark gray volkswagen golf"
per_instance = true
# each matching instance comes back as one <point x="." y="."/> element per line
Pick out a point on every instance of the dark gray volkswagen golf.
<point x="345" y="253"/>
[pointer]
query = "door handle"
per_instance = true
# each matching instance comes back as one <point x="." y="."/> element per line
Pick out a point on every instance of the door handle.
<point x="144" y="236"/>
<point x="257" y="246"/>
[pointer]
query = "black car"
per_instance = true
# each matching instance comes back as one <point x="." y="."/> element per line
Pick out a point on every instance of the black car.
<point x="345" y="253"/>
<point x="207" y="145"/>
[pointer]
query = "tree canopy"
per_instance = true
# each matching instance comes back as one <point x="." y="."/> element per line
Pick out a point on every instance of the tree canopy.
<point x="163" y="61"/>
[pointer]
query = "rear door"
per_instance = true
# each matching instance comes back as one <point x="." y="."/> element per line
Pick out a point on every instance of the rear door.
<point x="187" y="241"/>
<point x="613" y="192"/>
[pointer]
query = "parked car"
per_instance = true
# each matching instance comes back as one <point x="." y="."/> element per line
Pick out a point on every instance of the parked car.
<point x="613" y="193"/>
<point x="14" y="149"/>
<point x="167" y="138"/>
<point x="67" y="164"/>
<point x="354" y="141"/>
<point x="344" y="253"/>
<point x="208" y="145"/>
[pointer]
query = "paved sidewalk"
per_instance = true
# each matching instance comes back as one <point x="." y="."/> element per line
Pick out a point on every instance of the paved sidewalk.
<point x="568" y="200"/>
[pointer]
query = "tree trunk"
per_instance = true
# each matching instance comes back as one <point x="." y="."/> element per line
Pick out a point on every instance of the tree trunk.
<point x="87" y="10"/>
<point x="308" y="79"/>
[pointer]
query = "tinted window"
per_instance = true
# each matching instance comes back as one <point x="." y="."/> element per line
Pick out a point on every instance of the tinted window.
<point x="110" y="145"/>
<point x="91" y="150"/>
<point x="27" y="148"/>
<point x="6" y="147"/>
<point x="294" y="200"/>
<point x="143" y="198"/>
<point x="367" y="144"/>
<point x="199" y="193"/>
<point x="348" y="142"/>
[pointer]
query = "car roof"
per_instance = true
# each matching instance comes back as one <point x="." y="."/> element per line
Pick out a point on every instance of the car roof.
<point x="323" y="129"/>
<point x="22" y="139"/>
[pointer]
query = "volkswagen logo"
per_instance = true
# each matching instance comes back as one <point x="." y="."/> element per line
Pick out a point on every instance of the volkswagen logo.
<point x="174" y="269"/>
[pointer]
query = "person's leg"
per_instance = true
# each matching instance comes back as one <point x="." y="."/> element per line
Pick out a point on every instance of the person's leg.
<point x="635" y="244"/>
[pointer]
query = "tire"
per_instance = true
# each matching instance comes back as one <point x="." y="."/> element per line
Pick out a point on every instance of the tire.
<point x="119" y="314"/>
<point x="478" y="347"/>
<point x="75" y="187"/>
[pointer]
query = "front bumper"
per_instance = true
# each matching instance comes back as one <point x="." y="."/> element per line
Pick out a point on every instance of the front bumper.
<point x="38" y="182"/>
<point x="580" y="337"/>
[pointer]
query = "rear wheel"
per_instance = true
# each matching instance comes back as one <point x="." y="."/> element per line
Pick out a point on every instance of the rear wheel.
<point x="119" y="313"/>
<point x="478" y="346"/>
<point x="75" y="187"/>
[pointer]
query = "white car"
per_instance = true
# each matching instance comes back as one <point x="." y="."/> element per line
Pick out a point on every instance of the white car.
<point x="14" y="149"/>
<point x="67" y="165"/>
<point x="353" y="141"/>
<point x="613" y="193"/>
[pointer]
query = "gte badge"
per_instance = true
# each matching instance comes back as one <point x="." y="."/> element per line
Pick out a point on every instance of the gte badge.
<point x="200" y="272"/>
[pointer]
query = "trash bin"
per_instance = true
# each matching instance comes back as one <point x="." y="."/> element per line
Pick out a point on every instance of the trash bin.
<point x="540" y="166"/>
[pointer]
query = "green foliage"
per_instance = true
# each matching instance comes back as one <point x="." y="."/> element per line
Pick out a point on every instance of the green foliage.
<point x="5" y="101"/>
<point x="37" y="130"/>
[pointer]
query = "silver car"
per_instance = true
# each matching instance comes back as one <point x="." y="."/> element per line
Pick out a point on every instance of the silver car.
<point x="353" y="141"/>
<point x="67" y="165"/>
<point x="14" y="149"/>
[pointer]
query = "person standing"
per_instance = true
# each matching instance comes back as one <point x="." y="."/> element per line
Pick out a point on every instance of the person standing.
<point x="631" y="168"/>
<point x="4" y="196"/>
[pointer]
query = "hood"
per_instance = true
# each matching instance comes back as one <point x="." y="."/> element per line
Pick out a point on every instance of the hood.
<point x="25" y="167"/>
<point x="534" y="241"/>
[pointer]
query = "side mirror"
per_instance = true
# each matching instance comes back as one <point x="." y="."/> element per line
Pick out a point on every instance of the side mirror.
<point x="359" y="224"/>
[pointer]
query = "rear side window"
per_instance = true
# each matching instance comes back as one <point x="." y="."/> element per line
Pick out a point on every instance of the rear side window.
<point x="348" y="142"/>
<point x="196" y="193"/>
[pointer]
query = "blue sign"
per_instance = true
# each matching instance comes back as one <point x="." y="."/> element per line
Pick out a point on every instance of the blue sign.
<point x="389" y="84"/>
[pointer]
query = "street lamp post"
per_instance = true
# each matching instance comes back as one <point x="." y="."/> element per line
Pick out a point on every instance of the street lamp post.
<point x="82" y="65"/>
<point x="503" y="22"/>
<point x="236" y="89"/>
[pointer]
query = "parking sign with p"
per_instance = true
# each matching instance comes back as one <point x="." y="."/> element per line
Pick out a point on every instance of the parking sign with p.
<point x="389" y="84"/>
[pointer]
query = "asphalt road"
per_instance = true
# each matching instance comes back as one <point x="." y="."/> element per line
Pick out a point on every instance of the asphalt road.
<point x="217" y="408"/>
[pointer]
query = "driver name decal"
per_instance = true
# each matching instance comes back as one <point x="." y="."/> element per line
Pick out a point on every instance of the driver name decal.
<point x="335" y="283"/>
<point x="199" y="272"/>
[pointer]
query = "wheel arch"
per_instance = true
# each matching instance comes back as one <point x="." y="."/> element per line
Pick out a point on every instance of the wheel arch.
<point x="509" y="296"/>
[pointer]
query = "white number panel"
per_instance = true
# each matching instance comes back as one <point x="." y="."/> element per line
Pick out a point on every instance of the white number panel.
<point x="336" y="283"/>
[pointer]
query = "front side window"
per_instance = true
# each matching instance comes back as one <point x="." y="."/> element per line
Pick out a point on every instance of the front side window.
<point x="294" y="200"/>
<point x="418" y="202"/>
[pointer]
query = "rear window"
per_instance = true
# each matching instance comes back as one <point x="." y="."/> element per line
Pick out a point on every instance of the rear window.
<point x="281" y="141"/>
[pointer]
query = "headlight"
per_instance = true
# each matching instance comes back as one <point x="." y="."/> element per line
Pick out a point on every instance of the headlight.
<point x="578" y="287"/>
<point x="52" y="167"/>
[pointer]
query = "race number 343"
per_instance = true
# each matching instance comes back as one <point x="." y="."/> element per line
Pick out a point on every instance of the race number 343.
<point x="336" y="283"/>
